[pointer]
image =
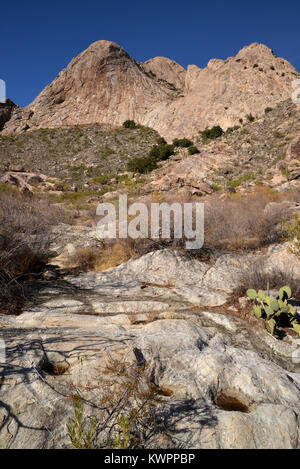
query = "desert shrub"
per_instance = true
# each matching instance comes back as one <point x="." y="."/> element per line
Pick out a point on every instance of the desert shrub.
<point x="216" y="187"/>
<point x="142" y="165"/>
<point x="85" y="258"/>
<point x="81" y="434"/>
<point x="291" y="232"/>
<point x="241" y="222"/>
<point x="129" y="124"/>
<point x="182" y="142"/>
<point x="232" y="129"/>
<point x="125" y="418"/>
<point x="256" y="277"/>
<point x="292" y="195"/>
<point x="268" y="109"/>
<point x="213" y="133"/>
<point x="250" y="118"/>
<point x="236" y="183"/>
<point x="148" y="163"/>
<point x="25" y="235"/>
<point x="165" y="151"/>
<point x="277" y="134"/>
<point x="161" y="141"/>
<point x="193" y="150"/>
<point x="101" y="179"/>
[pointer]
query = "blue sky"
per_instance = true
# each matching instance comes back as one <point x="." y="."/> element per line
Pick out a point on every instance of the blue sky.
<point x="38" y="39"/>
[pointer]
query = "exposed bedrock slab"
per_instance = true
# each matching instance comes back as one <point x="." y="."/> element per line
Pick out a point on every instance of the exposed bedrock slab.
<point x="230" y="389"/>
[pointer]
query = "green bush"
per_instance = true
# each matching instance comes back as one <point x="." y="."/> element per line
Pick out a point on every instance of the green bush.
<point x="165" y="151"/>
<point x="268" y="109"/>
<point x="142" y="165"/>
<point x="126" y="416"/>
<point x="161" y="152"/>
<point x="250" y="118"/>
<point x="193" y="150"/>
<point x="154" y="152"/>
<point x="129" y="124"/>
<point x="102" y="179"/>
<point x="236" y="183"/>
<point x="148" y="163"/>
<point x="232" y="129"/>
<point x="182" y="142"/>
<point x="161" y="141"/>
<point x="277" y="134"/>
<point x="211" y="134"/>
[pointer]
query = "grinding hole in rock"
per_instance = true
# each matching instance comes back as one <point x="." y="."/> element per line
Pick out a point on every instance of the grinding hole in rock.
<point x="58" y="368"/>
<point x="230" y="403"/>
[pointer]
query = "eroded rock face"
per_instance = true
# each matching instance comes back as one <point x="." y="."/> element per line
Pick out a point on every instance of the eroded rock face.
<point x="104" y="84"/>
<point x="6" y="110"/>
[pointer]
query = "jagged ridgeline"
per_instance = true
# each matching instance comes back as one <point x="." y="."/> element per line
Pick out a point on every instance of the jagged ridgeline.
<point x="104" y="84"/>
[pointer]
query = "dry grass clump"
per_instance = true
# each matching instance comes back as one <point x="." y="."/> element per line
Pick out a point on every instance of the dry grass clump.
<point x="292" y="194"/>
<point x="107" y="256"/>
<point x="84" y="258"/>
<point x="143" y="318"/>
<point x="111" y="256"/>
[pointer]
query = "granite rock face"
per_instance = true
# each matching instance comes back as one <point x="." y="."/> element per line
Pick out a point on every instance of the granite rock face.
<point x="167" y="70"/>
<point x="104" y="84"/>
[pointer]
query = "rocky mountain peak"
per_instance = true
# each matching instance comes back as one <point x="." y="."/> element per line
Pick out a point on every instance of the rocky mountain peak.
<point x="105" y="85"/>
<point x="167" y="70"/>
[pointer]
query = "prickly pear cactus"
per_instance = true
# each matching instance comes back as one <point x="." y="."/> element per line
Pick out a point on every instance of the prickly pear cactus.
<point x="275" y="310"/>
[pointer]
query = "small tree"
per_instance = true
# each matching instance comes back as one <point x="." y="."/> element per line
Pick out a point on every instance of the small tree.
<point x="213" y="133"/>
<point x="182" y="142"/>
<point x="193" y="150"/>
<point x="129" y="124"/>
